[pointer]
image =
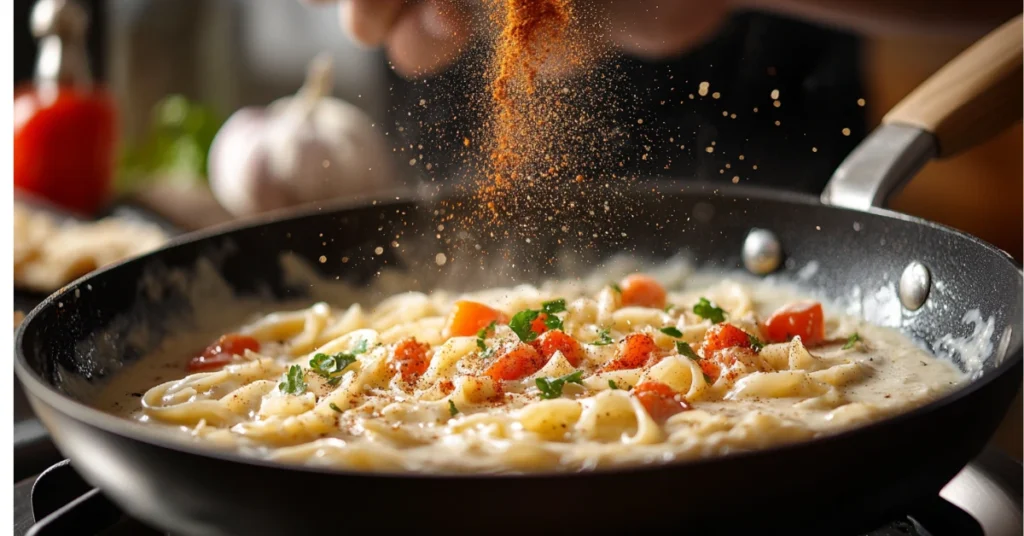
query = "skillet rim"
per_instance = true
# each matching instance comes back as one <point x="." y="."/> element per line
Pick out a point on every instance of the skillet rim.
<point x="37" y="387"/>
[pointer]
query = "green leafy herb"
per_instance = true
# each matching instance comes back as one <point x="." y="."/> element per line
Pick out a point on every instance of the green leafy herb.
<point x="852" y="341"/>
<point x="331" y="367"/>
<point x="452" y="410"/>
<point x="708" y="379"/>
<point x="611" y="385"/>
<point x="293" y="382"/>
<point x="360" y="347"/>
<point x="553" y="306"/>
<point x="483" y="334"/>
<point x="669" y="307"/>
<point x="755" y="343"/>
<point x="552" y="387"/>
<point x="685" y="350"/>
<point x="334" y="406"/>
<point x="671" y="332"/>
<point x="616" y="288"/>
<point x="522" y="321"/>
<point x="707" y="310"/>
<point x="520" y="324"/>
<point x="604" y="338"/>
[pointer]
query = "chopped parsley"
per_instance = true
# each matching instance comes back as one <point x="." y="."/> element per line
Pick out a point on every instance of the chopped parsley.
<point x="360" y="347"/>
<point x="552" y="387"/>
<point x="708" y="379"/>
<point x="611" y="385"/>
<point x="671" y="332"/>
<point x="452" y="410"/>
<point x="293" y="382"/>
<point x="604" y="338"/>
<point x="709" y="311"/>
<point x="553" y="306"/>
<point x="616" y="288"/>
<point x="669" y="307"/>
<point x="852" y="341"/>
<point x="755" y="343"/>
<point x="685" y="350"/>
<point x="520" y="324"/>
<point x="522" y="321"/>
<point x="331" y="367"/>
<point x="334" y="406"/>
<point x="482" y="335"/>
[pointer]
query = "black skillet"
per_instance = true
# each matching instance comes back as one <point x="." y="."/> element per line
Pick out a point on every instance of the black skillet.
<point x="78" y="338"/>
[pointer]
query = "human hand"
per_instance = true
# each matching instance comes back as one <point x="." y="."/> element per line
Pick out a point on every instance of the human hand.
<point x="424" y="36"/>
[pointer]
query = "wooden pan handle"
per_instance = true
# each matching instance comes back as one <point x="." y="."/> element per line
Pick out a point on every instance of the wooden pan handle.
<point x="973" y="97"/>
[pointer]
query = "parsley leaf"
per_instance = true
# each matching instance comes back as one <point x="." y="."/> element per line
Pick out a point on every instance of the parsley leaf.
<point x="483" y="334"/>
<point x="553" y="322"/>
<point x="685" y="350"/>
<point x="708" y="379"/>
<point x="852" y="341"/>
<point x="707" y="310"/>
<point x="671" y="332"/>
<point x="331" y="367"/>
<point x="611" y="385"/>
<point x="669" y="307"/>
<point x="604" y="338"/>
<point x="616" y="288"/>
<point x="334" y="406"/>
<point x="360" y="347"/>
<point x="552" y="387"/>
<point x="520" y="324"/>
<point x="553" y="306"/>
<point x="452" y="410"/>
<point x="755" y="343"/>
<point x="293" y="383"/>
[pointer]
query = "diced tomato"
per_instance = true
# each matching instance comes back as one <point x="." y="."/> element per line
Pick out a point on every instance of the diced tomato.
<point x="468" y="318"/>
<point x="711" y="368"/>
<point x="660" y="401"/>
<point x="518" y="362"/>
<point x="222" y="352"/>
<point x="538" y="326"/>
<point x="721" y="336"/>
<point x="559" y="341"/>
<point x="643" y="291"/>
<point x="803" y="318"/>
<point x="410" y="359"/>
<point x="634" y="351"/>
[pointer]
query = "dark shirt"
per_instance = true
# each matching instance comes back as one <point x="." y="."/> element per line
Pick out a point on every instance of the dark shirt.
<point x="815" y="70"/>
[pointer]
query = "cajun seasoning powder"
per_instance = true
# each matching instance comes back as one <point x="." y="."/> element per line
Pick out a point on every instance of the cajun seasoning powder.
<point x="530" y="30"/>
<point x="546" y="141"/>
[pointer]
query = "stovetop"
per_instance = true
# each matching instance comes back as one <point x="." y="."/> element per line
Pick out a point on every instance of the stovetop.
<point x="983" y="500"/>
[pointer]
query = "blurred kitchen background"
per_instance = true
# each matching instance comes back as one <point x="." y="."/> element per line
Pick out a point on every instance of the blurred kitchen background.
<point x="196" y="61"/>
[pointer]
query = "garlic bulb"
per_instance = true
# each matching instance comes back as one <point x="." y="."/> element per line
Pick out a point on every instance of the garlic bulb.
<point x="300" y="149"/>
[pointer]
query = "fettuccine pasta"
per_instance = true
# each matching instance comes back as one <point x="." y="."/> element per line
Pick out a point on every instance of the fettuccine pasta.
<point x="563" y="376"/>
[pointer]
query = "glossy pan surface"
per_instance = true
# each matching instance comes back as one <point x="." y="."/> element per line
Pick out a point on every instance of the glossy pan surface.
<point x="78" y="339"/>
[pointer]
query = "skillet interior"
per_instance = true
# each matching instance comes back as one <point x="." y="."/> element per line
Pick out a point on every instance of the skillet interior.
<point x="80" y="337"/>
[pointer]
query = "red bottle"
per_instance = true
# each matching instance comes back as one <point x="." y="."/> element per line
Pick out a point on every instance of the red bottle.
<point x="65" y="131"/>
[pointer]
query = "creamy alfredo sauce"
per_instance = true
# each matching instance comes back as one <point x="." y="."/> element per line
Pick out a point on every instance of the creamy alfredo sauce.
<point x="589" y="403"/>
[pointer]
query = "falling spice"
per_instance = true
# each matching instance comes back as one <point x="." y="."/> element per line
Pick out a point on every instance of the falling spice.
<point x="531" y="30"/>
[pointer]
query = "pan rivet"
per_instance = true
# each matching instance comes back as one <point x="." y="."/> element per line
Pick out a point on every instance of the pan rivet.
<point x="915" y="283"/>
<point x="762" y="252"/>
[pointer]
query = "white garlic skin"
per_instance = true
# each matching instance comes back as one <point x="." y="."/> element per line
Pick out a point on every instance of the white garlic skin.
<point x="294" y="152"/>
